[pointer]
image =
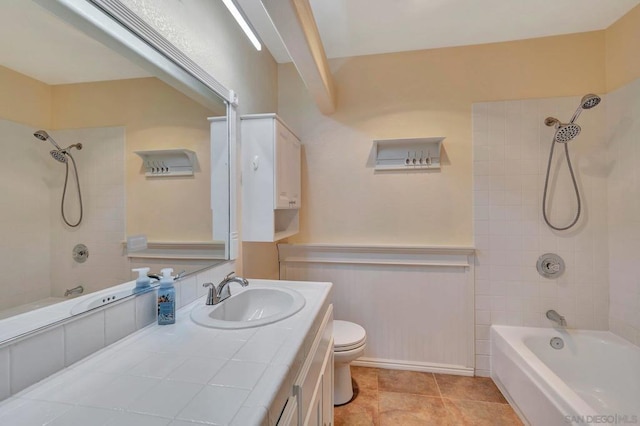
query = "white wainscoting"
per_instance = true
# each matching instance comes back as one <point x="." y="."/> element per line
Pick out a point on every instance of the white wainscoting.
<point x="416" y="303"/>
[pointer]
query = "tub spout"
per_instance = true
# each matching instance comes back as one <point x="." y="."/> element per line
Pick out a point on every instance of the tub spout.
<point x="556" y="317"/>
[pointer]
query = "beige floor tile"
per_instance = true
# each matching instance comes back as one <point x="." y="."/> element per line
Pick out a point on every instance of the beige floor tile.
<point x="411" y="409"/>
<point x="407" y="382"/>
<point x="479" y="413"/>
<point x="471" y="388"/>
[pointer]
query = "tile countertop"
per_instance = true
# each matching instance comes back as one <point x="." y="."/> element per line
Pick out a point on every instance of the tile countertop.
<point x="181" y="374"/>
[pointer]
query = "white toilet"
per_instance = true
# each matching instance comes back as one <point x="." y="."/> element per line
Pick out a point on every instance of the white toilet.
<point x="349" y="342"/>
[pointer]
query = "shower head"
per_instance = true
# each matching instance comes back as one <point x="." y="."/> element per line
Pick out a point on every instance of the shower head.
<point x="59" y="155"/>
<point x="44" y="136"/>
<point x="588" y="101"/>
<point x="566" y="132"/>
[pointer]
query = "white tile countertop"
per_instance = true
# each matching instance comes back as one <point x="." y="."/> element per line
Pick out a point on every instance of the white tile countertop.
<point x="180" y="374"/>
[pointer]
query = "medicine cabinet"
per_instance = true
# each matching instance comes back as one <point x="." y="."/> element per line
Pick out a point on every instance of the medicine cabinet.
<point x="270" y="179"/>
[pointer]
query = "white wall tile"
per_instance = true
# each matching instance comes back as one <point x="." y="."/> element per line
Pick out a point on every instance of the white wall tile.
<point x="83" y="337"/>
<point x="623" y="187"/>
<point x="36" y="358"/>
<point x="4" y="374"/>
<point x="120" y="321"/>
<point x="146" y="309"/>
<point x="508" y="288"/>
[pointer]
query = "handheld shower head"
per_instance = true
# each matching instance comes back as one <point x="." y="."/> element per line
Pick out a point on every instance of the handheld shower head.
<point x="588" y="101"/>
<point x="44" y="136"/>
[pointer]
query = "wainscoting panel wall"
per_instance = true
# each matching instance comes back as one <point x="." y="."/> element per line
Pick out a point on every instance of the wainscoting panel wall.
<point x="416" y="303"/>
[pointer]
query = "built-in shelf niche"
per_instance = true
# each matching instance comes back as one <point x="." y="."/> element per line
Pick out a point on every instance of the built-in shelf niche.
<point x="168" y="162"/>
<point x="408" y="154"/>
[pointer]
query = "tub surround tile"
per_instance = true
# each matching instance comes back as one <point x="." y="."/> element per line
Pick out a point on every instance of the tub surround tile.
<point x="5" y="389"/>
<point x="470" y="388"/>
<point x="36" y="358"/>
<point x="83" y="337"/>
<point x="119" y="321"/>
<point x="407" y="382"/>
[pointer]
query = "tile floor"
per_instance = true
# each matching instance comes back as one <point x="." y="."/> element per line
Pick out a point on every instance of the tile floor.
<point x="407" y="398"/>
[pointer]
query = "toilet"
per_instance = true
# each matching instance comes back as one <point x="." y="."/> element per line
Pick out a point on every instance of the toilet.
<point x="349" y="342"/>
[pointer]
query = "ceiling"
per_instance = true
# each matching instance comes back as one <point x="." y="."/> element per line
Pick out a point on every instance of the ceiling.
<point x="38" y="44"/>
<point x="365" y="27"/>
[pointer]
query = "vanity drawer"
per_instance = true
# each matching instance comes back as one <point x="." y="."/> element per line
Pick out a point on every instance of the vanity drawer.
<point x="312" y="369"/>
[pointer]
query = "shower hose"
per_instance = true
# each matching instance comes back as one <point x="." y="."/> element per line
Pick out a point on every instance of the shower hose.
<point x="64" y="191"/>
<point x="546" y="186"/>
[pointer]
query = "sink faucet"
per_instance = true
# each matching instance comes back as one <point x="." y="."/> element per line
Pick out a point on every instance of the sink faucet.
<point x="556" y="317"/>
<point x="222" y="292"/>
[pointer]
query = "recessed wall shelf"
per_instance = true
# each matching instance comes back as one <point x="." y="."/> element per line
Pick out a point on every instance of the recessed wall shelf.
<point x="168" y="162"/>
<point x="408" y="154"/>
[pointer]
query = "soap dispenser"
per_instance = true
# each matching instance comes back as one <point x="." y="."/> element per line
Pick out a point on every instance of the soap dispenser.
<point x="143" y="282"/>
<point x="166" y="298"/>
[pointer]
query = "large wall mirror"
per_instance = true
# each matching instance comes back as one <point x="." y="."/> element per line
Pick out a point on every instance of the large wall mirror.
<point x="79" y="115"/>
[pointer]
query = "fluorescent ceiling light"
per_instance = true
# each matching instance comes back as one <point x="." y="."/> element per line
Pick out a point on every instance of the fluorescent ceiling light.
<point x="243" y="24"/>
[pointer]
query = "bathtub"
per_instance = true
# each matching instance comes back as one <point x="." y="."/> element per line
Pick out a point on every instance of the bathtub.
<point x="594" y="379"/>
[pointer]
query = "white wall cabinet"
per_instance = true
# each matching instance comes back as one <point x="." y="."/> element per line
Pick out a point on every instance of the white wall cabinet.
<point x="271" y="171"/>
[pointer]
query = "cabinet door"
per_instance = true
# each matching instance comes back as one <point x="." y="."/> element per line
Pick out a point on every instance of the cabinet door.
<point x="314" y="415"/>
<point x="287" y="169"/>
<point x="327" y="391"/>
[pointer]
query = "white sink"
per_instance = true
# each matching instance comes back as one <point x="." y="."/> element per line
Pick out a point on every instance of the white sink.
<point x="253" y="307"/>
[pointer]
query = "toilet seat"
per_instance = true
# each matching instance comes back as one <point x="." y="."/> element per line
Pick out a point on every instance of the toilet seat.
<point x="347" y="336"/>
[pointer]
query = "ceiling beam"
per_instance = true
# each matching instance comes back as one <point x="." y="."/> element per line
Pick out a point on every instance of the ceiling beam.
<point x="297" y="27"/>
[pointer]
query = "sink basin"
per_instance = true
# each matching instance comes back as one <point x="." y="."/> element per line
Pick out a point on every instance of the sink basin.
<point x="253" y="307"/>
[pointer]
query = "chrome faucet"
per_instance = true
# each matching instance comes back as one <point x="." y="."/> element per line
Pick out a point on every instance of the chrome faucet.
<point x="556" y="317"/>
<point x="222" y="291"/>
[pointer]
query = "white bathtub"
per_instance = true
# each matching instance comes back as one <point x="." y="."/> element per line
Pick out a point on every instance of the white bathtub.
<point x="594" y="379"/>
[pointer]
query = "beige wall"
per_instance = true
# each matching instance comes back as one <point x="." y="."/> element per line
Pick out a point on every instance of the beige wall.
<point x="417" y="94"/>
<point x="156" y="116"/>
<point x="622" y="41"/>
<point x="24" y="99"/>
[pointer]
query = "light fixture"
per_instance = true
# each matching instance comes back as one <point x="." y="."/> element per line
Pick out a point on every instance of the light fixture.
<point x="243" y="24"/>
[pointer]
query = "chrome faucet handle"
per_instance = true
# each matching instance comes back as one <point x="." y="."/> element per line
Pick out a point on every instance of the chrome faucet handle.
<point x="211" y="296"/>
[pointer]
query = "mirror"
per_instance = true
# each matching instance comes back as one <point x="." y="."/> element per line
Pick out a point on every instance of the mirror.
<point x="141" y="150"/>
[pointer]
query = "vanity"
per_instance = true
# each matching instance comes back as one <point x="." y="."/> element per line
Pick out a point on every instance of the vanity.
<point x="275" y="374"/>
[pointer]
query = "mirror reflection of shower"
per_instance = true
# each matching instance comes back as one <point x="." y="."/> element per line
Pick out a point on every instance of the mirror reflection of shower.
<point x="566" y="132"/>
<point x="62" y="155"/>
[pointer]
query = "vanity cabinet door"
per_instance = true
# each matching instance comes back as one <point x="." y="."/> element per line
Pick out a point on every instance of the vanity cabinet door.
<point x="327" y="390"/>
<point x="290" y="414"/>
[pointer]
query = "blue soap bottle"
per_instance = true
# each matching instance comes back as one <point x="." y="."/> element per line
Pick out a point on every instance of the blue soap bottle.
<point x="166" y="298"/>
<point x="143" y="282"/>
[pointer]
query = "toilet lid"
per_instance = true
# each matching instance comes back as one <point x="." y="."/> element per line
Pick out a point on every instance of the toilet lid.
<point x="347" y="335"/>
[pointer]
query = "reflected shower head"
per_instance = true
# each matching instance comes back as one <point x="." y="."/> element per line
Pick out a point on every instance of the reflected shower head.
<point x="59" y="155"/>
<point x="44" y="136"/>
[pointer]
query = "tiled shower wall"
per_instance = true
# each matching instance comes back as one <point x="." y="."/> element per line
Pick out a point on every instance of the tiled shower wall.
<point x="101" y="169"/>
<point x="510" y="150"/>
<point x="24" y="221"/>
<point x="623" y="126"/>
